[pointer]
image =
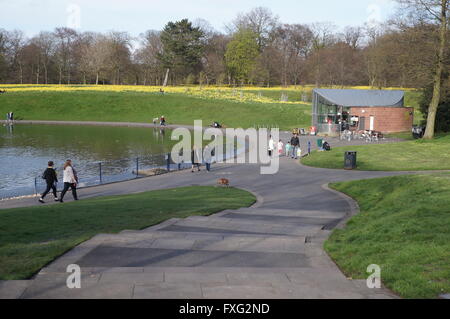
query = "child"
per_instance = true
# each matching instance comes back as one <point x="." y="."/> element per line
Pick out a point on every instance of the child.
<point x="288" y="149"/>
<point x="280" y="148"/>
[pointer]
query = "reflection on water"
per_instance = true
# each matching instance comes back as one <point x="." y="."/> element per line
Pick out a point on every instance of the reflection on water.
<point x="26" y="149"/>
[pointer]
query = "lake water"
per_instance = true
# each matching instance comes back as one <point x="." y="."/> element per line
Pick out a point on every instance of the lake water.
<point x="26" y="149"/>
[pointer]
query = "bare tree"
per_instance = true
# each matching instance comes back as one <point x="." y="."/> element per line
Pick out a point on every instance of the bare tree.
<point x="261" y="21"/>
<point x="45" y="42"/>
<point x="147" y="57"/>
<point x="63" y="55"/>
<point x="352" y="36"/>
<point x="323" y="36"/>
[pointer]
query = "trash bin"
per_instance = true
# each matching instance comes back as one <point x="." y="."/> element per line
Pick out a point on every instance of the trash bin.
<point x="350" y="160"/>
<point x="319" y="143"/>
<point x="418" y="132"/>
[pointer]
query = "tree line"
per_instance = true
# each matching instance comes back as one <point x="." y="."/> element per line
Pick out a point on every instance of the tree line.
<point x="410" y="50"/>
<point x="257" y="49"/>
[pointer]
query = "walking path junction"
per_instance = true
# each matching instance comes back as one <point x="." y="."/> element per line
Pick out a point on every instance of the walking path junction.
<point x="273" y="250"/>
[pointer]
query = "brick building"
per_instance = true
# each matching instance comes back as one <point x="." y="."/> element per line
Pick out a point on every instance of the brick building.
<point x="373" y="110"/>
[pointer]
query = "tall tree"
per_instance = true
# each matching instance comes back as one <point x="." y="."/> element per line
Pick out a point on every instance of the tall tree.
<point x="183" y="47"/>
<point x="241" y="54"/>
<point x="64" y="40"/>
<point x="436" y="12"/>
<point x="261" y="21"/>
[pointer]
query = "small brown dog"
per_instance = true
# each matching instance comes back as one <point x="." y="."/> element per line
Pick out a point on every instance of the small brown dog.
<point x="223" y="182"/>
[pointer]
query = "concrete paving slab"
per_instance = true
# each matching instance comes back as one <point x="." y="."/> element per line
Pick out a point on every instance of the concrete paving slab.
<point x="105" y="256"/>
<point x="168" y="291"/>
<point x="194" y="277"/>
<point x="13" y="289"/>
<point x="132" y="278"/>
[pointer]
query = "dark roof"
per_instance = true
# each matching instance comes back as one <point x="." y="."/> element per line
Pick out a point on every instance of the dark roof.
<point x="364" y="98"/>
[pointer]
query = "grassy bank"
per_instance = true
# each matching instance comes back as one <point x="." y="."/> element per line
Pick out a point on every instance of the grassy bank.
<point x="404" y="227"/>
<point x="235" y="107"/>
<point x="34" y="236"/>
<point x="405" y="156"/>
<point x="143" y="107"/>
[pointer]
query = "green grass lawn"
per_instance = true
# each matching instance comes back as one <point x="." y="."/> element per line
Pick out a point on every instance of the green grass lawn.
<point x="405" y="156"/>
<point x="32" y="237"/>
<point x="143" y="107"/>
<point x="404" y="227"/>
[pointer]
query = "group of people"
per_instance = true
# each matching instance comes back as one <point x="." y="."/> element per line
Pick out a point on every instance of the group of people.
<point x="196" y="158"/>
<point x="70" y="180"/>
<point x="290" y="149"/>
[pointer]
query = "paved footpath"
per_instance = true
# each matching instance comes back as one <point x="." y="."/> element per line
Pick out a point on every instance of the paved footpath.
<point x="271" y="250"/>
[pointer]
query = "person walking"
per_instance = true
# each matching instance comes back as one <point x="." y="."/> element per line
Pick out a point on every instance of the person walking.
<point x="70" y="181"/>
<point x="280" y="148"/>
<point x="288" y="148"/>
<point x="271" y="146"/>
<point x="295" y="143"/>
<point x="50" y="178"/>
<point x="207" y="157"/>
<point x="195" y="159"/>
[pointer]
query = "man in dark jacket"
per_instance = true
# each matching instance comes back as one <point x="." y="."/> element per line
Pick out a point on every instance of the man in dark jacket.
<point x="295" y="143"/>
<point x="50" y="178"/>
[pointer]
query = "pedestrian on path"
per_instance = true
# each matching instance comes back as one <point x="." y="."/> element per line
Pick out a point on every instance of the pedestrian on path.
<point x="70" y="181"/>
<point x="295" y="144"/>
<point x="280" y="148"/>
<point x="207" y="157"/>
<point x="288" y="149"/>
<point x="309" y="148"/>
<point x="271" y="146"/>
<point x="195" y="159"/>
<point x="50" y="178"/>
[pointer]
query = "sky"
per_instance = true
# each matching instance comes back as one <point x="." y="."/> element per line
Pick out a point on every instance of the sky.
<point x="137" y="16"/>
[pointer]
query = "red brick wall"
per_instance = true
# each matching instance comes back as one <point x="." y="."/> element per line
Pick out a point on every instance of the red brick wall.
<point x="387" y="119"/>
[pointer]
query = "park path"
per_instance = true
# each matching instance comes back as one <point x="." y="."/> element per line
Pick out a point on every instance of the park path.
<point x="271" y="250"/>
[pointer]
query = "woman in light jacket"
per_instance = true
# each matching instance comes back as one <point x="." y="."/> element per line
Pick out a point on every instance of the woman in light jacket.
<point x="70" y="180"/>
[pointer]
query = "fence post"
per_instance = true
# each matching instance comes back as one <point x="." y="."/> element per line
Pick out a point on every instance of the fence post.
<point x="137" y="167"/>
<point x="100" y="170"/>
<point x="168" y="161"/>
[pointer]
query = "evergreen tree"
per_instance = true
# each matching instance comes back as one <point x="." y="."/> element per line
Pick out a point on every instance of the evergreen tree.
<point x="183" y="47"/>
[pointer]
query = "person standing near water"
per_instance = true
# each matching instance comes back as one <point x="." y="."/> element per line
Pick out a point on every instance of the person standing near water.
<point x="70" y="181"/>
<point x="50" y="178"/>
<point x="207" y="157"/>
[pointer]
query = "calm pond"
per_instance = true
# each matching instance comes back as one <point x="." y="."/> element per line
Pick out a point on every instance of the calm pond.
<point x="26" y="149"/>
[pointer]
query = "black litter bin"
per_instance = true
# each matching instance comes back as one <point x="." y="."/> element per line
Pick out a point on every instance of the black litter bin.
<point x="418" y="132"/>
<point x="350" y="160"/>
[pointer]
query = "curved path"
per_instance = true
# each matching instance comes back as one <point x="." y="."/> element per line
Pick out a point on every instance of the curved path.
<point x="271" y="250"/>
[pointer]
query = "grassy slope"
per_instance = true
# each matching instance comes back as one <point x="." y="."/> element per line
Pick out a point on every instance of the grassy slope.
<point x="404" y="227"/>
<point x="143" y="107"/>
<point x="34" y="236"/>
<point x="411" y="155"/>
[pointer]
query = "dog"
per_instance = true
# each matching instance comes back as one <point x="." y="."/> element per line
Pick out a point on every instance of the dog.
<point x="155" y="120"/>
<point x="223" y="182"/>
